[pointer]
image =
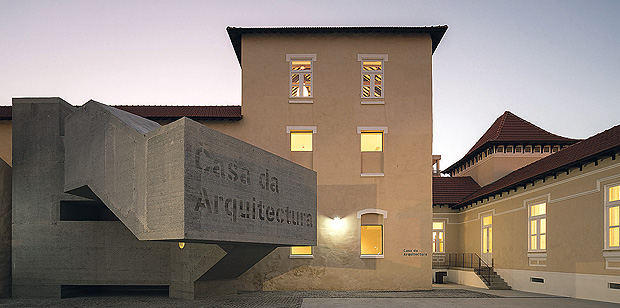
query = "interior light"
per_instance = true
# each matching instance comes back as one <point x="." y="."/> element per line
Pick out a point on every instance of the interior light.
<point x="181" y="245"/>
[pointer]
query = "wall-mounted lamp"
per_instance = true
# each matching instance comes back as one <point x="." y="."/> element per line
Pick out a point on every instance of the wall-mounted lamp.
<point x="181" y="245"/>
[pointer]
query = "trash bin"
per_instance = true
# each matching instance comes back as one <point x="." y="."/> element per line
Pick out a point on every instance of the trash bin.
<point x="439" y="276"/>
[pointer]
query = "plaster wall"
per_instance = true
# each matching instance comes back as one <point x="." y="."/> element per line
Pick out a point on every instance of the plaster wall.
<point x="6" y="131"/>
<point x="497" y="165"/>
<point x="575" y="227"/>
<point x="5" y="229"/>
<point x="336" y="110"/>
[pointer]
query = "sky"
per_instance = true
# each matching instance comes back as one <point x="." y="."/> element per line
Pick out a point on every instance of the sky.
<point x="553" y="63"/>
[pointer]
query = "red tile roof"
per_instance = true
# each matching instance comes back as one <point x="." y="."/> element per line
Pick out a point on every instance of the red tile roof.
<point x="452" y="190"/>
<point x="507" y="129"/>
<point x="604" y="144"/>
<point x="5" y="112"/>
<point x="163" y="112"/>
<point x="436" y="32"/>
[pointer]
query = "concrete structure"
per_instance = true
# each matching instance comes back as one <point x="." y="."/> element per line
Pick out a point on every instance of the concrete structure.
<point x="156" y="181"/>
<point x="547" y="227"/>
<point x="5" y="229"/>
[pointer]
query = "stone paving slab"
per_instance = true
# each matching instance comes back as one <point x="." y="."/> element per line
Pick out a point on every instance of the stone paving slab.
<point x="293" y="299"/>
<point x="546" y="302"/>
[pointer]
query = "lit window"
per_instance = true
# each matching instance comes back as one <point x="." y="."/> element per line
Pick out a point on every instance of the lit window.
<point x="438" y="236"/>
<point x="300" y="75"/>
<point x="372" y="78"/>
<point x="301" y="141"/>
<point x="538" y="227"/>
<point x="372" y="141"/>
<point x="371" y="234"/>
<point x="301" y="251"/>
<point x="612" y="219"/>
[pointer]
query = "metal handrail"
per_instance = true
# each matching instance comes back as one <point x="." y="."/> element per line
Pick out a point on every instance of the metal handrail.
<point x="469" y="260"/>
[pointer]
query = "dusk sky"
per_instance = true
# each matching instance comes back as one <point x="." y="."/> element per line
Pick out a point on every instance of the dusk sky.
<point x="553" y="63"/>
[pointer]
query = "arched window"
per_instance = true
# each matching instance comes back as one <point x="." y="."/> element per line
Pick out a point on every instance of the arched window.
<point x="371" y="233"/>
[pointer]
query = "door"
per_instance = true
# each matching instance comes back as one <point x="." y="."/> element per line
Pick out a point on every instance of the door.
<point x="487" y="239"/>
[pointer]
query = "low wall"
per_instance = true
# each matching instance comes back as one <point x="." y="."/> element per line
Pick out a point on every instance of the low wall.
<point x="462" y="276"/>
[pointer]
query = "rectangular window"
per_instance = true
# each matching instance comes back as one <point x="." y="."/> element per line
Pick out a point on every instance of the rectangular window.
<point x="372" y="78"/>
<point x="372" y="141"/>
<point x="300" y="75"/>
<point x="372" y="240"/>
<point x="301" y="252"/>
<point x="538" y="226"/>
<point x="438" y="236"/>
<point x="612" y="219"/>
<point x="301" y="141"/>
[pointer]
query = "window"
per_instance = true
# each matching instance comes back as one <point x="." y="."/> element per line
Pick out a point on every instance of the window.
<point x="371" y="146"/>
<point x="372" y="75"/>
<point x="302" y="144"/>
<point x="612" y="217"/>
<point x="371" y="233"/>
<point x="438" y="237"/>
<point x="537" y="226"/>
<point x="300" y="75"/>
<point x="301" y="252"/>
<point x="301" y="141"/>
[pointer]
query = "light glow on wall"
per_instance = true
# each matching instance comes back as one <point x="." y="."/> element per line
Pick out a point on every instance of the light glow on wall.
<point x="181" y="245"/>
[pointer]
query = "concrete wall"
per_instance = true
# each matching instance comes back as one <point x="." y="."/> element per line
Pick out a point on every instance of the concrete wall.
<point x="48" y="252"/>
<point x="575" y="233"/>
<point x="5" y="229"/>
<point x="336" y="111"/>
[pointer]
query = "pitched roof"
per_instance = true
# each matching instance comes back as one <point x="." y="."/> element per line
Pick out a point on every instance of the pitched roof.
<point x="452" y="190"/>
<point x="167" y="112"/>
<point x="601" y="145"/>
<point x="235" y="33"/>
<point x="509" y="128"/>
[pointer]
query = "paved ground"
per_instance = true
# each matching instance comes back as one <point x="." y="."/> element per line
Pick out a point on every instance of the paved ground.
<point x="441" y="296"/>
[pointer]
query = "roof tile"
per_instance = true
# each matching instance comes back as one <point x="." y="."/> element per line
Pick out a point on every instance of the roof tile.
<point x="452" y="190"/>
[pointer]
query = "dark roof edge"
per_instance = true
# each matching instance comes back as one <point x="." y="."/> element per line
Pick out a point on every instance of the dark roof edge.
<point x="235" y="33"/>
<point x="610" y="152"/>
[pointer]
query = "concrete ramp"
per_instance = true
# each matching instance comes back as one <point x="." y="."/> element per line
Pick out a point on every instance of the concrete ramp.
<point x="188" y="183"/>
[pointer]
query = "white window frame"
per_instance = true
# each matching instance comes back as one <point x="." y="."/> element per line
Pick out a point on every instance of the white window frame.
<point x="372" y="100"/>
<point x="384" y="213"/>
<point x="443" y="231"/>
<point x="609" y="205"/>
<point x="292" y="256"/>
<point x="370" y="129"/>
<point x="300" y="57"/>
<point x="536" y="218"/>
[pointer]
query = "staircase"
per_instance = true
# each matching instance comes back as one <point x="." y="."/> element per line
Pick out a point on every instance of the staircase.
<point x="490" y="277"/>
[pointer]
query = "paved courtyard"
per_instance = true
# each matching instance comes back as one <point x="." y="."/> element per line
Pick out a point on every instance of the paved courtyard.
<point x="440" y="296"/>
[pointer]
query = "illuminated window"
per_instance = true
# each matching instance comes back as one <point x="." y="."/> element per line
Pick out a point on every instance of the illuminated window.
<point x="537" y="226"/>
<point x="300" y="75"/>
<point x="372" y="141"/>
<point x="612" y="217"/>
<point x="438" y="236"/>
<point x="372" y="75"/>
<point x="301" y="252"/>
<point x="301" y="141"/>
<point x="371" y="235"/>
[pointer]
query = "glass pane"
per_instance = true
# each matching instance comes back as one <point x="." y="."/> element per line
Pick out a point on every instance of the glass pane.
<point x="372" y="65"/>
<point x="434" y="236"/>
<point x="441" y="236"/>
<point x="366" y="79"/>
<point x="301" y="250"/>
<point x="378" y="91"/>
<point x="307" y="78"/>
<point x="372" y="142"/>
<point x="366" y="91"/>
<point x="484" y="241"/>
<point x="298" y="65"/>
<point x="307" y="91"/>
<point x="533" y="228"/>
<point x="301" y="141"/>
<point x="614" y="193"/>
<point x="487" y="220"/>
<point x="434" y="247"/>
<point x="294" y="91"/>
<point x="543" y="226"/>
<point x="378" y="79"/>
<point x="490" y="240"/>
<point x="614" y="237"/>
<point x="372" y="240"/>
<point x="614" y="216"/>
<point x="533" y="245"/>
<point x="294" y="79"/>
<point x="538" y="209"/>
<point x="441" y="247"/>
<point x="543" y="241"/>
<point x="437" y="225"/>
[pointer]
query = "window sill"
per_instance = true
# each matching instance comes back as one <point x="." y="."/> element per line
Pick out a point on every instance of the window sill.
<point x="305" y="101"/>
<point x="537" y="254"/>
<point x="381" y="102"/>
<point x="301" y="257"/>
<point x="611" y="252"/>
<point x="368" y="175"/>
<point x="371" y="256"/>
<point x="439" y="253"/>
